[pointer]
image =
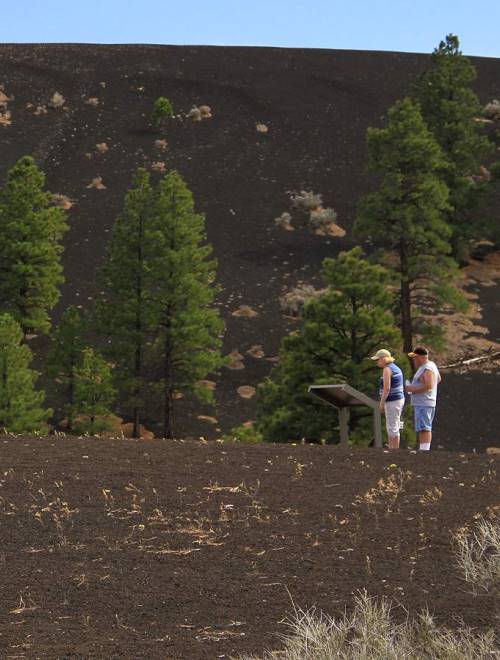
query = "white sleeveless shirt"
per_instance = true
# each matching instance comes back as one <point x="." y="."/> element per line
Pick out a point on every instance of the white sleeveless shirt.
<point x="425" y="398"/>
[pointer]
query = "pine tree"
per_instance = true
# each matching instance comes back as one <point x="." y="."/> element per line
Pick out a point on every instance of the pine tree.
<point x="162" y="110"/>
<point x="65" y="355"/>
<point x="449" y="107"/>
<point x="94" y="391"/>
<point x="341" y="328"/>
<point x="125" y="311"/>
<point x="31" y="230"/>
<point x="407" y="216"/>
<point x="188" y="340"/>
<point x="20" y="404"/>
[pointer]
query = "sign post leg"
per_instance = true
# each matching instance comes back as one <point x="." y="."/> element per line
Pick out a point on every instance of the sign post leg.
<point x="344" y="425"/>
<point x="377" y="427"/>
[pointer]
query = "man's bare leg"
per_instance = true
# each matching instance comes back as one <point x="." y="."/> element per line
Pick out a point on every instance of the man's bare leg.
<point x="425" y="439"/>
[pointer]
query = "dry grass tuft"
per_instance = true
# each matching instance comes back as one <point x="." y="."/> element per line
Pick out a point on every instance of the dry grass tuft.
<point x="161" y="145"/>
<point x="492" y="110"/>
<point x="236" y="360"/>
<point x="57" y="100"/>
<point x="478" y="554"/>
<point x="97" y="183"/>
<point x="284" y="221"/>
<point x="293" y="302"/>
<point x="208" y="419"/>
<point x="62" y="201"/>
<point x="102" y="147"/>
<point x="256" y="351"/>
<point x="5" y="118"/>
<point x="200" y="113"/>
<point x="245" y="310"/>
<point x="158" y="166"/>
<point x="369" y="633"/>
<point x="246" y="391"/>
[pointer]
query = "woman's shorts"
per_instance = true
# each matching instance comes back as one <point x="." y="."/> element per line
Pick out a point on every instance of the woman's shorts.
<point x="393" y="412"/>
<point x="424" y="416"/>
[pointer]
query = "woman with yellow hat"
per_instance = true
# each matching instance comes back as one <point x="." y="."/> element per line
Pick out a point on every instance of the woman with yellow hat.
<point x="392" y="396"/>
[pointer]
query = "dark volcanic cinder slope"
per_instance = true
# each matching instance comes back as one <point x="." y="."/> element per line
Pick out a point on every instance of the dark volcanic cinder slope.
<point x="317" y="105"/>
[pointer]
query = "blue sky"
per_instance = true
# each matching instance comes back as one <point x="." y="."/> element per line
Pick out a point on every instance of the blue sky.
<point x="403" y="25"/>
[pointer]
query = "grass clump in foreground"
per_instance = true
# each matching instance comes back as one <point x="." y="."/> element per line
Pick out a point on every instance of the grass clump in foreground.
<point x="369" y="633"/>
<point x="478" y="555"/>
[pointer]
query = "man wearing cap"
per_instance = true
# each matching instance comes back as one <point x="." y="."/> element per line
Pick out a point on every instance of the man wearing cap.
<point x="423" y="389"/>
<point x="392" y="396"/>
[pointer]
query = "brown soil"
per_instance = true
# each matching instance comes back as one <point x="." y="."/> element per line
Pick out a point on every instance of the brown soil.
<point x="283" y="120"/>
<point x="182" y="549"/>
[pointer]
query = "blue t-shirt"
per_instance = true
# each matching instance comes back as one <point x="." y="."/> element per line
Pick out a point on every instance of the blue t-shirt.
<point x="397" y="389"/>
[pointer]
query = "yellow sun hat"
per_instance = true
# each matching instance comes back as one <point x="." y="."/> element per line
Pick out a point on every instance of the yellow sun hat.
<point x="382" y="353"/>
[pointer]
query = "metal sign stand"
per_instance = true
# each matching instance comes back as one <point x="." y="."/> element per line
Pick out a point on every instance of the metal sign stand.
<point x="344" y="397"/>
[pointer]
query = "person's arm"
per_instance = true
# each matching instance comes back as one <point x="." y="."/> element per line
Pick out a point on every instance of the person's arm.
<point x="387" y="374"/>
<point x="428" y="378"/>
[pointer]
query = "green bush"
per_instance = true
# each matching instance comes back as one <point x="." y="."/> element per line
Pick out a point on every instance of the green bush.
<point x="162" y="110"/>
<point x="243" y="434"/>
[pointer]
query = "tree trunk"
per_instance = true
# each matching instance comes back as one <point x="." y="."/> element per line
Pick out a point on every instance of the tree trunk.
<point x="405" y="302"/>
<point x="168" y="416"/>
<point x="136" y="431"/>
<point x="3" y="422"/>
<point x="71" y="396"/>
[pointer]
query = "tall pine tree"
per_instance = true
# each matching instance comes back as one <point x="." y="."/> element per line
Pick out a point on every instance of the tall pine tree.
<point x="125" y="309"/>
<point x="340" y="330"/>
<point x="21" y="408"/>
<point x="407" y="217"/>
<point x="31" y="231"/>
<point x="158" y="283"/>
<point x="189" y="336"/>
<point x="449" y="107"/>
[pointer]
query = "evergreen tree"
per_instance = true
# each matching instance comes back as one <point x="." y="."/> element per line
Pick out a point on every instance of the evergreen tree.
<point x="494" y="195"/>
<point x="162" y="110"/>
<point x="449" y="107"/>
<point x="188" y="340"/>
<point x="31" y="229"/>
<point x="341" y="328"/>
<point x="94" y="391"/>
<point x="20" y="404"/>
<point x="65" y="355"/>
<point x="407" y="215"/>
<point x="125" y="310"/>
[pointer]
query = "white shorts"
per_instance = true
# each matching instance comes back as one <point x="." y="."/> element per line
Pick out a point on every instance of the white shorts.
<point x="393" y="412"/>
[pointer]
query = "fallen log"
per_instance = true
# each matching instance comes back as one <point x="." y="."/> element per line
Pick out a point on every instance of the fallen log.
<point x="475" y="360"/>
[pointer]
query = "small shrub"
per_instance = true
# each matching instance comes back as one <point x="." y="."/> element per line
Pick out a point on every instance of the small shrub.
<point x="293" y="302"/>
<point x="57" y="100"/>
<point x="206" y="111"/>
<point x="243" y="434"/>
<point x="306" y="200"/>
<point x="492" y="110"/>
<point x="5" y="118"/>
<point x="162" y="110"/>
<point x="284" y="221"/>
<point x="108" y="424"/>
<point x="321" y="217"/>
<point x="307" y="207"/>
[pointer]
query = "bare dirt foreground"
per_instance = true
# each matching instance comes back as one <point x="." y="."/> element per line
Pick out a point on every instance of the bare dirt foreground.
<point x="172" y="549"/>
